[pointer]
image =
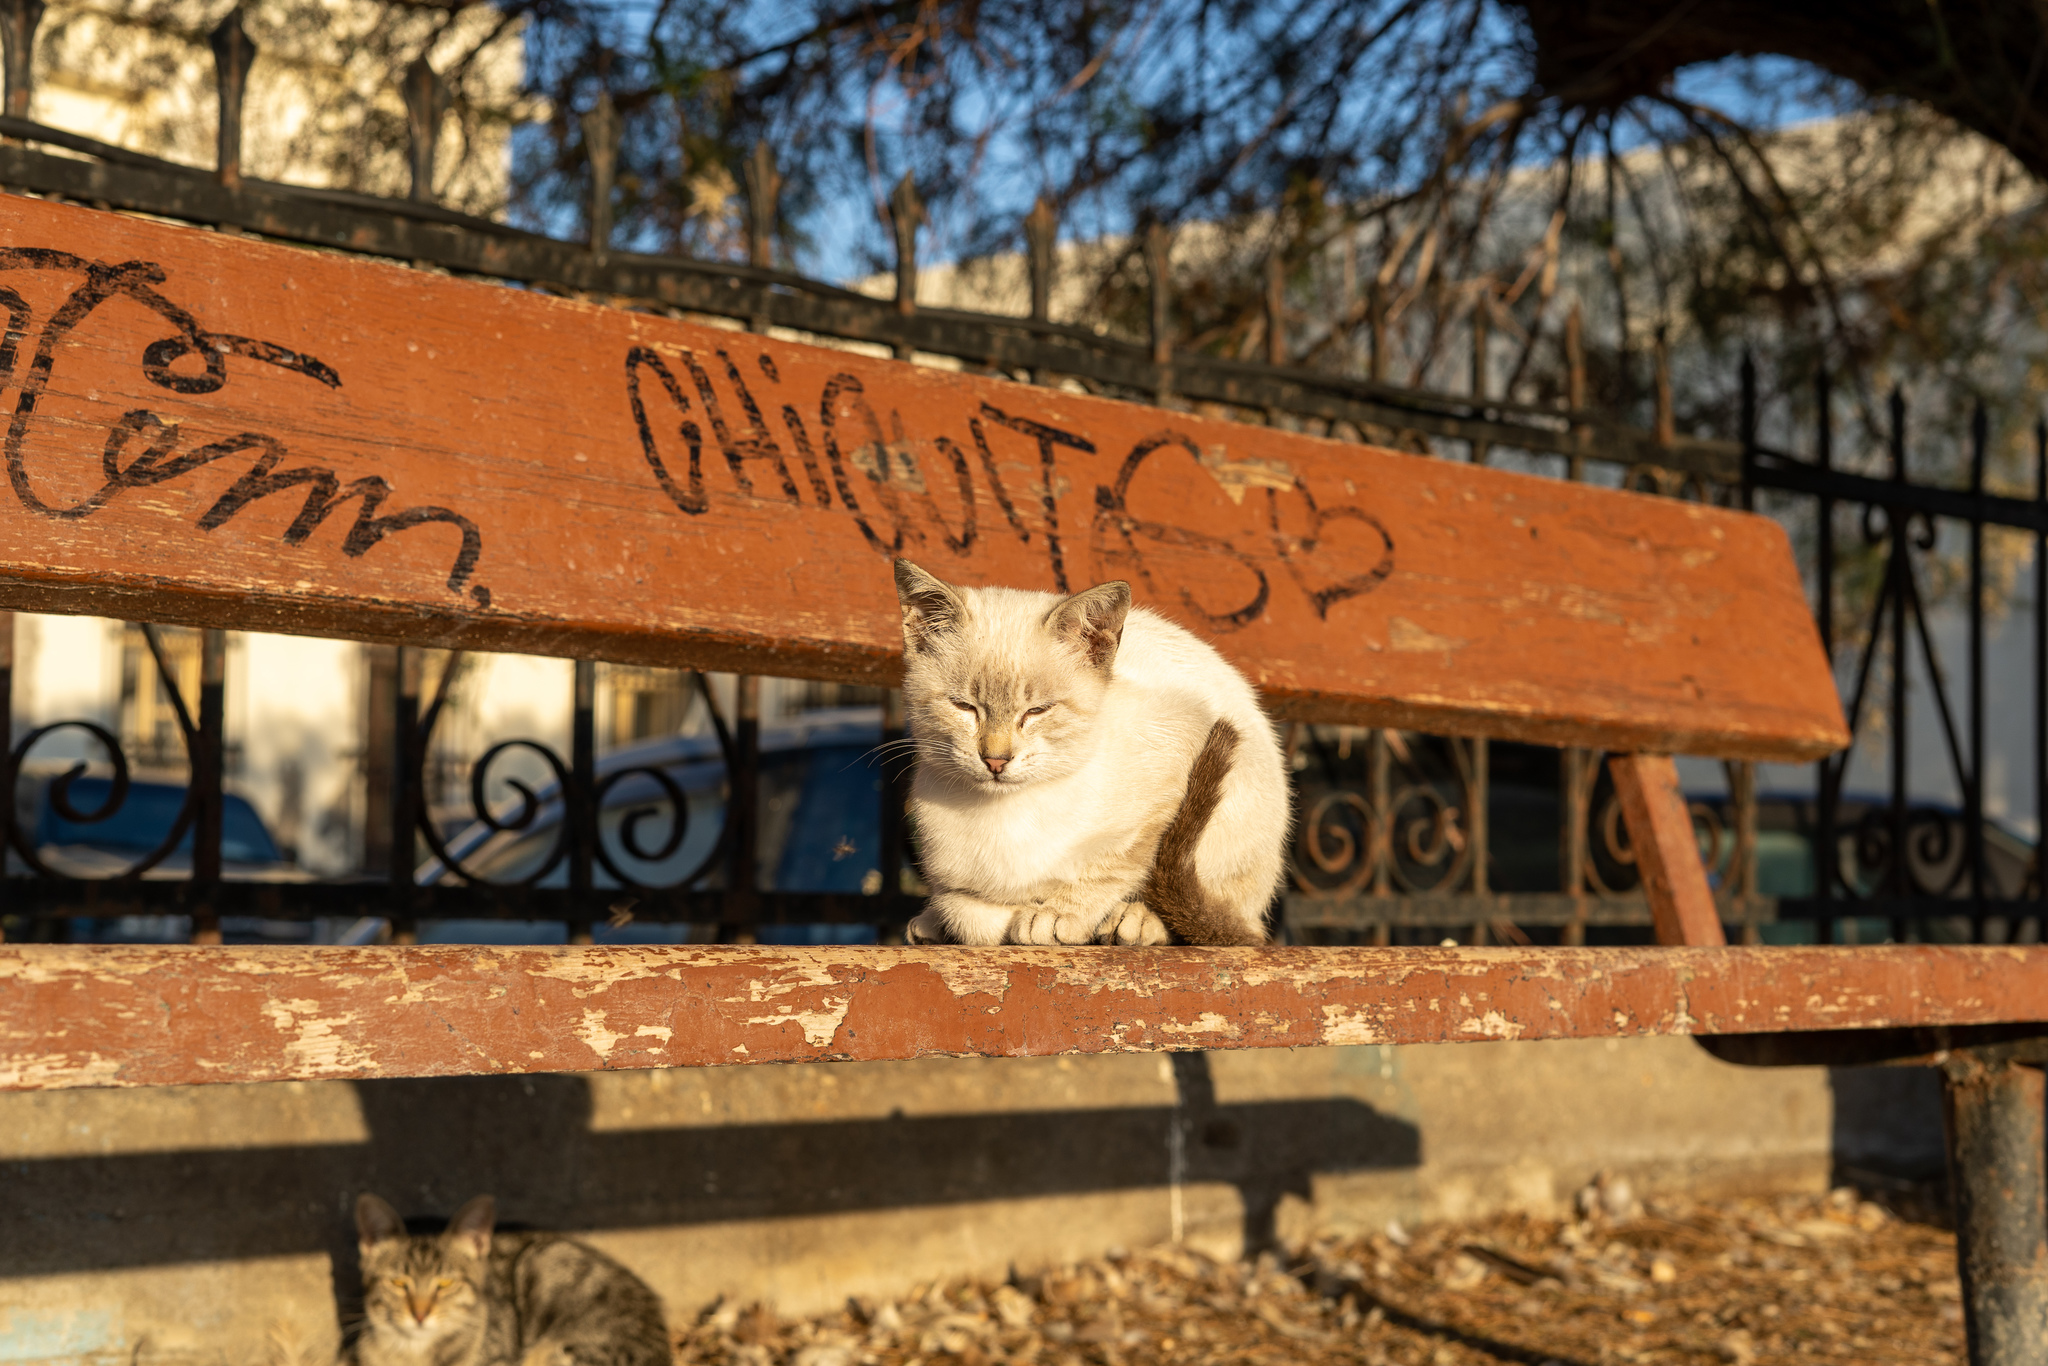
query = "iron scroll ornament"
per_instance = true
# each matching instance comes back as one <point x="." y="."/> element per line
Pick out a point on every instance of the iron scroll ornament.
<point x="118" y="786"/>
<point x="578" y="808"/>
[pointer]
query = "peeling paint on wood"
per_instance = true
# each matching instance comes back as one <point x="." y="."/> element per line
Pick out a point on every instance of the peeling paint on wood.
<point x="210" y="430"/>
<point x="117" y="1015"/>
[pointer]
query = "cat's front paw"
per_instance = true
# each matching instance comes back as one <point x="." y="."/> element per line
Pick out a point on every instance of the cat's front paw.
<point x="1133" y="923"/>
<point x="928" y="928"/>
<point x="1044" y="925"/>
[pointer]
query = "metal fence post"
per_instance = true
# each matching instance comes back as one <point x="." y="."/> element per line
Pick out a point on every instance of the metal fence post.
<point x="1665" y="424"/>
<point x="426" y="101"/>
<point x="1480" y="779"/>
<point x="1973" y="786"/>
<point x="408" y="774"/>
<point x="743" y="808"/>
<point x="1041" y="237"/>
<point x="906" y="216"/>
<point x="1577" y="767"/>
<point x="579" y="803"/>
<point x="1573" y="766"/>
<point x="2041" y="668"/>
<point x="1159" y="278"/>
<point x="601" y="146"/>
<point x="233" y="52"/>
<point x="1995" y="1144"/>
<point x="1896" y="881"/>
<point x="1381" y="849"/>
<point x="764" y="189"/>
<point x="1481" y="311"/>
<point x="1276" y="310"/>
<point x="208" y="753"/>
<point x="19" y="20"/>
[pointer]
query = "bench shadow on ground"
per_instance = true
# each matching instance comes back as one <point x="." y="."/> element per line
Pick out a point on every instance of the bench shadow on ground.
<point x="435" y="1142"/>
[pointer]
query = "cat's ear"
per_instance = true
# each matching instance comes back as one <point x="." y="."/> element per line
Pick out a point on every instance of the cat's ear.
<point x="376" y="1221"/>
<point x="1093" y="622"/>
<point x="470" y="1230"/>
<point x="932" y="608"/>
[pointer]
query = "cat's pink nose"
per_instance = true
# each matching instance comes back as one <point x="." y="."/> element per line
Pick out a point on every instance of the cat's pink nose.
<point x="996" y="763"/>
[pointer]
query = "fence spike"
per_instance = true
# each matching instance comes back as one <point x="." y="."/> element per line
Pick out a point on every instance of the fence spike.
<point x="906" y="215"/>
<point x="1482" y="318"/>
<point x="1159" y="273"/>
<point x="1980" y="441"/>
<point x="19" y="20"/>
<point x="1276" y="310"/>
<point x="601" y="146"/>
<point x="1898" y="437"/>
<point x="233" y="54"/>
<point x="1666" y="422"/>
<point x="764" y="189"/>
<point x="1746" y="427"/>
<point x="1575" y="388"/>
<point x="426" y="102"/>
<point x="1376" y="330"/>
<point x="1041" y="235"/>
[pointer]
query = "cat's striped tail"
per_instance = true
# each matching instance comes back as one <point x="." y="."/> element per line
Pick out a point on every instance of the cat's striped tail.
<point x="1173" y="892"/>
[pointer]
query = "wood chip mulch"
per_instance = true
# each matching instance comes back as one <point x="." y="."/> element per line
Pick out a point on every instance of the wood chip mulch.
<point x="1733" y="1283"/>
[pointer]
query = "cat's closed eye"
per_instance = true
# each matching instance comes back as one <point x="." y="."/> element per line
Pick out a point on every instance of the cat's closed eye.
<point x="1041" y="709"/>
<point x="964" y="706"/>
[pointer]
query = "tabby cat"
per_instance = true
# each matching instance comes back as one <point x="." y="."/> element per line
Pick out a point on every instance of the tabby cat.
<point x="469" y="1297"/>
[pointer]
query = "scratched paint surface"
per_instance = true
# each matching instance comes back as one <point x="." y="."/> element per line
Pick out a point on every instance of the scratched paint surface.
<point x="210" y="430"/>
<point x="107" y="1015"/>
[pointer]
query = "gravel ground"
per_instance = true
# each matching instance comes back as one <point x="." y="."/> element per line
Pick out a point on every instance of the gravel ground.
<point x="1743" y="1283"/>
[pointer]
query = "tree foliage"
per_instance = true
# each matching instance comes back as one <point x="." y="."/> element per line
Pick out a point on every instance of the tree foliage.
<point x="1465" y="163"/>
<point x="1474" y="159"/>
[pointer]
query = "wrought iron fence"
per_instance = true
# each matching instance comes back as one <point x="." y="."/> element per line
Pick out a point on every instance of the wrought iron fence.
<point x="1401" y="837"/>
<point x="1899" y="861"/>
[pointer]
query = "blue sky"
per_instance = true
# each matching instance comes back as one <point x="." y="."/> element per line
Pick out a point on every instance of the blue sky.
<point x="1765" y="92"/>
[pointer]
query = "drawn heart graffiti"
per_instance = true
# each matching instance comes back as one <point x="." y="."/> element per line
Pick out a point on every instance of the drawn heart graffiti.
<point x="1331" y="554"/>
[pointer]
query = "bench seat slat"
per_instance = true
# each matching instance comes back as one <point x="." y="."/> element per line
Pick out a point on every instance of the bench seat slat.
<point x="220" y="432"/>
<point x="106" y="1015"/>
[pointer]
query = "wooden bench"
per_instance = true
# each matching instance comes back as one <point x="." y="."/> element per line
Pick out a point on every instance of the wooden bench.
<point x="220" y="433"/>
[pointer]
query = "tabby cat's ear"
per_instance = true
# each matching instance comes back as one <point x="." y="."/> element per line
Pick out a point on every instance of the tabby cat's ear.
<point x="932" y="608"/>
<point x="376" y="1221"/>
<point x="470" y="1230"/>
<point x="1093" y="622"/>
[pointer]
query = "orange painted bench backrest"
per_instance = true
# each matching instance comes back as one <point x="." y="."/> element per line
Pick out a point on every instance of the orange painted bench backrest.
<point x="217" y="432"/>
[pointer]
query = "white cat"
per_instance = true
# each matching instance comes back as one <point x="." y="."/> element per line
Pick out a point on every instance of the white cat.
<point x="1087" y="772"/>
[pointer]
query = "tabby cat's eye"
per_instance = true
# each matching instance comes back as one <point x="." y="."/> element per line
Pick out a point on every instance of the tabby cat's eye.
<point x="965" y="706"/>
<point x="1041" y="709"/>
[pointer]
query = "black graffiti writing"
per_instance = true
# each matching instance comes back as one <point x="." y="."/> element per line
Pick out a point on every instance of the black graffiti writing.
<point x="324" y="493"/>
<point x="1050" y="440"/>
<point x="168" y="363"/>
<point x="689" y="497"/>
<point x="871" y="467"/>
<point x="872" y="470"/>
